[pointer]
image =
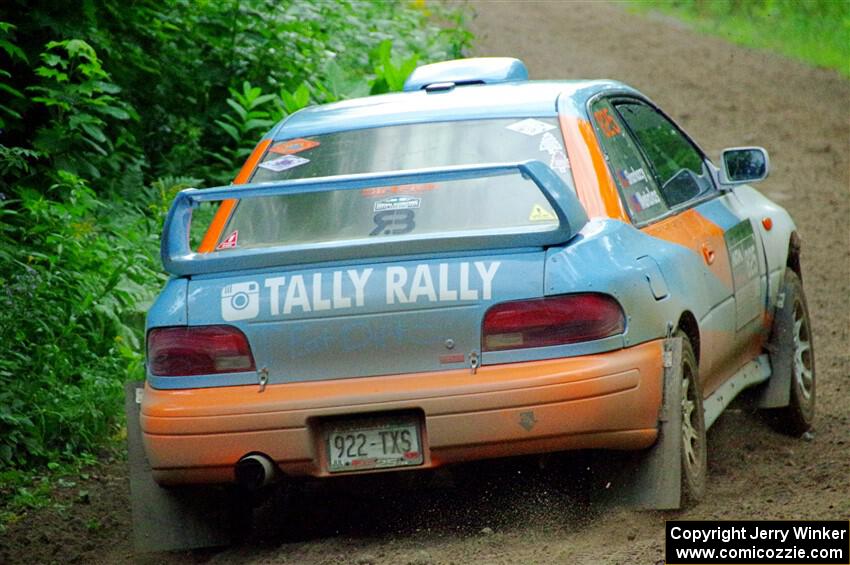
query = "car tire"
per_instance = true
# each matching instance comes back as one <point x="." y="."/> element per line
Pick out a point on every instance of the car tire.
<point x="791" y="349"/>
<point x="694" y="442"/>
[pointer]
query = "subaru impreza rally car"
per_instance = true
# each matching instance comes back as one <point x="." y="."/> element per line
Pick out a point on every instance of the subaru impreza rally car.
<point x="481" y="266"/>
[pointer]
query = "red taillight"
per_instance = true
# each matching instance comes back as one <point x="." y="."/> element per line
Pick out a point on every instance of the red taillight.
<point x="200" y="350"/>
<point x="552" y="321"/>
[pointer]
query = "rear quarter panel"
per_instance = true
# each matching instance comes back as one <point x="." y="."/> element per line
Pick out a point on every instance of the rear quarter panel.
<point x="607" y="257"/>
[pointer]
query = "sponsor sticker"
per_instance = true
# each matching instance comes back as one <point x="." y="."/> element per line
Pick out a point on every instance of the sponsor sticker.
<point x="628" y="178"/>
<point x="240" y="301"/>
<point x="530" y="127"/>
<point x="743" y="254"/>
<point x="646" y="199"/>
<point x="550" y="144"/>
<point x="559" y="162"/>
<point x="399" y="189"/>
<point x="294" y="294"/>
<point x="397" y="203"/>
<point x="606" y="122"/>
<point x="293" y="146"/>
<point x="284" y="163"/>
<point x="229" y="242"/>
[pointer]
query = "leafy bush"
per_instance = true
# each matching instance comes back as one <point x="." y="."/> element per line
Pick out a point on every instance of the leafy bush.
<point x="176" y="62"/>
<point x="251" y="114"/>
<point x="13" y="52"/>
<point x="65" y="344"/>
<point x="108" y="109"/>
<point x="80" y="103"/>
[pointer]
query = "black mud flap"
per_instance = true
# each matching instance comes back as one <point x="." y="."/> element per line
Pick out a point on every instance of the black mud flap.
<point x="652" y="479"/>
<point x="776" y="392"/>
<point x="170" y="519"/>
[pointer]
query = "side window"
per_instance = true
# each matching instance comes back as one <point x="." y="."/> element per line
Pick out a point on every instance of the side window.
<point x="633" y="177"/>
<point x="678" y="166"/>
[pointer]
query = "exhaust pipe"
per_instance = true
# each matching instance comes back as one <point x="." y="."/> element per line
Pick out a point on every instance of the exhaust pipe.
<point x="254" y="471"/>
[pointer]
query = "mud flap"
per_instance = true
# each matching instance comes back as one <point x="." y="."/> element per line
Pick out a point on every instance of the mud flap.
<point x="653" y="480"/>
<point x="166" y="519"/>
<point x="776" y="392"/>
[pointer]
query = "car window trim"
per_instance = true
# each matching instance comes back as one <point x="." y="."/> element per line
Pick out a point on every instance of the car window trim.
<point x="630" y="97"/>
<point x="679" y="209"/>
<point x="636" y="141"/>
<point x="652" y="178"/>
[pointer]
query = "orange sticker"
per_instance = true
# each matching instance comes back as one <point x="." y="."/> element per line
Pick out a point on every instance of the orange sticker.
<point x="606" y="122"/>
<point x="400" y="189"/>
<point x="293" y="146"/>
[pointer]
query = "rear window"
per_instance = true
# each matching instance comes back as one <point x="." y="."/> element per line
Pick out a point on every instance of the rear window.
<point x="487" y="204"/>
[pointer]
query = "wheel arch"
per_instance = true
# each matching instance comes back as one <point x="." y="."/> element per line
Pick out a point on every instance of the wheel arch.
<point x="688" y="324"/>
<point x="794" y="248"/>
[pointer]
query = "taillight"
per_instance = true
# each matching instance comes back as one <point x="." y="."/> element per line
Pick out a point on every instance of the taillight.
<point x="552" y="321"/>
<point x="199" y="350"/>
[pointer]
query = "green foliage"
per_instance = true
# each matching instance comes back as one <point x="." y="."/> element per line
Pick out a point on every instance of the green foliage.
<point x="251" y="114"/>
<point x="816" y="31"/>
<point x="107" y="109"/>
<point x="291" y="102"/>
<point x="80" y="103"/>
<point x="163" y="190"/>
<point x="15" y="161"/>
<point x="390" y="77"/>
<point x="250" y="117"/>
<point x="65" y="342"/>
<point x="15" y="53"/>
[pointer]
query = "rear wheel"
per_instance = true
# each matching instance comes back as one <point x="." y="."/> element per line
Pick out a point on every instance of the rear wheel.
<point x="694" y="452"/>
<point x="791" y="350"/>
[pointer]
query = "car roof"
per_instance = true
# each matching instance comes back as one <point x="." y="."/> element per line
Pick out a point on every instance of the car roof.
<point x="462" y="102"/>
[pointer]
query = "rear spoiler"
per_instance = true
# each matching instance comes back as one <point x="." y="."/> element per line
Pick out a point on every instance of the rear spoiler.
<point x="179" y="259"/>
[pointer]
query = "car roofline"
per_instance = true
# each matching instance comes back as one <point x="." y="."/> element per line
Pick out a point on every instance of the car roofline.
<point x="522" y="99"/>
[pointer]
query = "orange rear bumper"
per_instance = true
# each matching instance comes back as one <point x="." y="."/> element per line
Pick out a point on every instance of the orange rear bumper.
<point x="608" y="400"/>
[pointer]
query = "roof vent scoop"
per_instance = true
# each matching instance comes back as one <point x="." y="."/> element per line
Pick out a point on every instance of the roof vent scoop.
<point x="479" y="70"/>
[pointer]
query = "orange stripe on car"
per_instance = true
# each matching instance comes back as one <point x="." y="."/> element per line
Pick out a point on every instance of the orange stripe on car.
<point x="594" y="184"/>
<point x="226" y="207"/>
<point x="699" y="234"/>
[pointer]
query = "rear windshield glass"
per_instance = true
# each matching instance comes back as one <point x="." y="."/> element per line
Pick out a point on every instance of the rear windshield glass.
<point x="488" y="204"/>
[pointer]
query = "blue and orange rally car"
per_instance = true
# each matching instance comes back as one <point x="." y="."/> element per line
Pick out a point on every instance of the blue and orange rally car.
<point x="480" y="266"/>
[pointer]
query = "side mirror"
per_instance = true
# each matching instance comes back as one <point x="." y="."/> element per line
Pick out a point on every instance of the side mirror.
<point x="745" y="164"/>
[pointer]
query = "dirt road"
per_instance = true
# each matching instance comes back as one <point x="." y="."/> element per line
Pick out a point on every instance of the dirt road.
<point x="516" y="511"/>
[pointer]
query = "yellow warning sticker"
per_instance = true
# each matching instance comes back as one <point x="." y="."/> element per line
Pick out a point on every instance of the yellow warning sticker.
<point x="540" y="214"/>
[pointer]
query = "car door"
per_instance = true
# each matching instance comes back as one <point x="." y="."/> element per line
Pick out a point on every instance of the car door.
<point x="667" y="186"/>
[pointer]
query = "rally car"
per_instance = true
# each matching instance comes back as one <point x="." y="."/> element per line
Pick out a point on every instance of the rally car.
<point x="480" y="266"/>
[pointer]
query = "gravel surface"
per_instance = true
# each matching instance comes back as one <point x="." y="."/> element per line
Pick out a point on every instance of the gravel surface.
<point x="530" y="511"/>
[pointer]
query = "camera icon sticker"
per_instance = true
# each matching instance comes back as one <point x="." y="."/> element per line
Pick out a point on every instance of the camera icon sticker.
<point x="240" y="301"/>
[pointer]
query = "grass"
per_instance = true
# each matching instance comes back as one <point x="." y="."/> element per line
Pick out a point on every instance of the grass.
<point x="813" y="31"/>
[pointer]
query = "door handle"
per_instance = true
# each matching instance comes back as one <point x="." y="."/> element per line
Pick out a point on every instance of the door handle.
<point x="708" y="254"/>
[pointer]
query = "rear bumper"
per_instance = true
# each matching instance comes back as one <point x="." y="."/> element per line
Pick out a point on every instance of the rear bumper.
<point x="609" y="400"/>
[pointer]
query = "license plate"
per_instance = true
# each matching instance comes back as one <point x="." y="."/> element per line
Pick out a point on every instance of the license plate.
<point x="373" y="444"/>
